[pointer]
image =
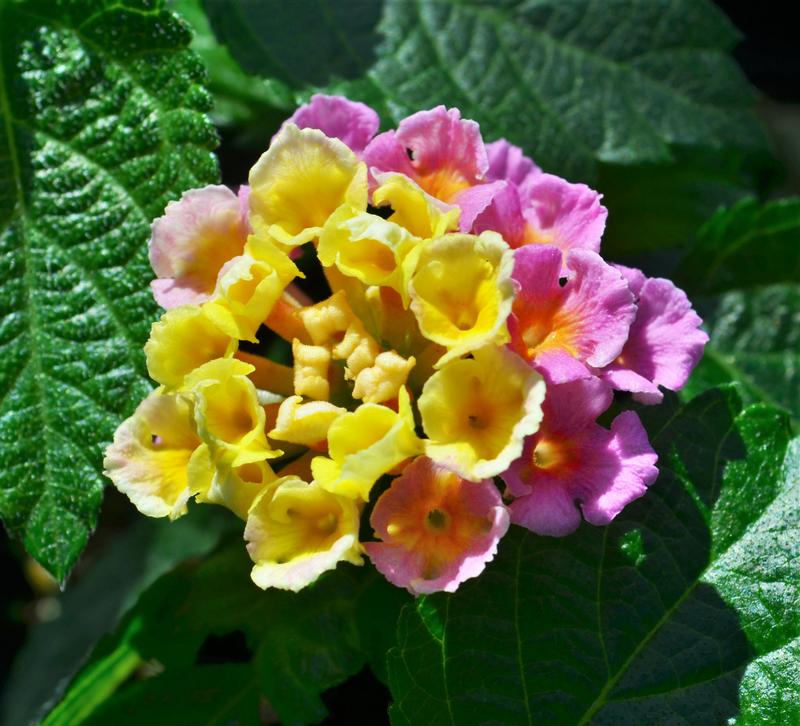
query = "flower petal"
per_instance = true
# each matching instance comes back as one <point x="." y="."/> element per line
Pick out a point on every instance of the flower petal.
<point x="351" y="122"/>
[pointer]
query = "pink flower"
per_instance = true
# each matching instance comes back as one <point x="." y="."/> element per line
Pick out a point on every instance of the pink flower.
<point x="441" y="152"/>
<point x="437" y="529"/>
<point x="509" y="163"/>
<point x="349" y="121"/>
<point x="572" y="465"/>
<point x="192" y="241"/>
<point x="546" y="209"/>
<point x="562" y="329"/>
<point x="665" y="341"/>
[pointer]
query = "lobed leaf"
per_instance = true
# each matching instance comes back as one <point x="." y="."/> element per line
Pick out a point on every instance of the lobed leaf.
<point x="102" y="124"/>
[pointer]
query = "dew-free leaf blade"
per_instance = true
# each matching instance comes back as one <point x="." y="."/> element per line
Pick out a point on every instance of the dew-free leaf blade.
<point x="102" y="123"/>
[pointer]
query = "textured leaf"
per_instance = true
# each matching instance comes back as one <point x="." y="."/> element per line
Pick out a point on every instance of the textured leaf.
<point x="653" y="619"/>
<point x="101" y="125"/>
<point x="308" y="43"/>
<point x="302" y="644"/>
<point x="92" y="607"/>
<point x="571" y="82"/>
<point x="750" y="254"/>
<point x="746" y="246"/>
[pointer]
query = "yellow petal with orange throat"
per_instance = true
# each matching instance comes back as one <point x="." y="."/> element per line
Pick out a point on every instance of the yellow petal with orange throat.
<point x="296" y="531"/>
<point x="184" y="339"/>
<point x="300" y="181"/>
<point x="462" y="292"/>
<point x="421" y="214"/>
<point x="149" y="457"/>
<point x="365" y="444"/>
<point x="227" y="412"/>
<point x="477" y="412"/>
<point x="248" y="289"/>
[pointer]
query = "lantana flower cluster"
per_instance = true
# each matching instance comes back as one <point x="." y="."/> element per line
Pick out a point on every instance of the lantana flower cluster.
<point x="448" y="383"/>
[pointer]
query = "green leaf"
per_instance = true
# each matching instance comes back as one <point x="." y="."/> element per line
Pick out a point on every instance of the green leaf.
<point x="239" y="98"/>
<point x="573" y="83"/>
<point x="743" y="272"/>
<point x="55" y="650"/>
<point x="689" y="595"/>
<point x="745" y="246"/>
<point x="301" y="44"/>
<point x="302" y="644"/>
<point x="102" y="124"/>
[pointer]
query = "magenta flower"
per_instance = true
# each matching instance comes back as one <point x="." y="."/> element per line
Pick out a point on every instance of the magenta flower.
<point x="437" y="529"/>
<point x="441" y="152"/>
<point x="563" y="329"/>
<point x="665" y="341"/>
<point x="349" y="121"/>
<point x="572" y="465"/>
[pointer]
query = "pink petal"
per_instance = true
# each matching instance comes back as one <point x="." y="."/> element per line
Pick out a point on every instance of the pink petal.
<point x="665" y="342"/>
<point x="191" y="241"/>
<point x="352" y="122"/>
<point x="440" y="138"/>
<point x="546" y="509"/>
<point x="503" y="215"/>
<point x="508" y="162"/>
<point x="633" y="276"/>
<point x="571" y="407"/>
<point x="475" y="200"/>
<point x="621" y="473"/>
<point x="587" y="318"/>
<point x="405" y="552"/>
<point x="566" y="215"/>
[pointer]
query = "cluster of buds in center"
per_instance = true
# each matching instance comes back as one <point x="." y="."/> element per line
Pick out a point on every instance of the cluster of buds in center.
<point x="446" y="382"/>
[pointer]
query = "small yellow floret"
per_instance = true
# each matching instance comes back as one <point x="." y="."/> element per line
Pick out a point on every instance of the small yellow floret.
<point x="311" y="364"/>
<point x="237" y="487"/>
<point x="327" y="321"/>
<point x="462" y="291"/>
<point x="383" y="379"/>
<point x="248" y="289"/>
<point x="184" y="339"/>
<point x="227" y="412"/>
<point x="149" y="457"/>
<point x="421" y="214"/>
<point x="369" y="248"/>
<point x="304" y="423"/>
<point x="300" y="181"/>
<point x="477" y="411"/>
<point x="365" y="444"/>
<point x="296" y="531"/>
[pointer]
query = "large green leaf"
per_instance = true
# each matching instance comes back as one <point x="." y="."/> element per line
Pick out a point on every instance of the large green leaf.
<point x="301" y="644"/>
<point x="102" y="123"/>
<point x="92" y="607"/>
<point x="744" y="272"/>
<point x="571" y="82"/>
<point x="689" y="598"/>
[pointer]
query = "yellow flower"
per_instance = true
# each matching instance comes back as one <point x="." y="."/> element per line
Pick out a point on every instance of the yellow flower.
<point x="234" y="487"/>
<point x="477" y="411"/>
<point x="365" y="444"/>
<point x="227" y="412"/>
<point x="300" y="181"/>
<point x="296" y="531"/>
<point x="184" y="339"/>
<point x="369" y="248"/>
<point x="462" y="292"/>
<point x="421" y="214"/>
<point x="304" y="423"/>
<point x="248" y="288"/>
<point x="148" y="459"/>
<point x="311" y="364"/>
